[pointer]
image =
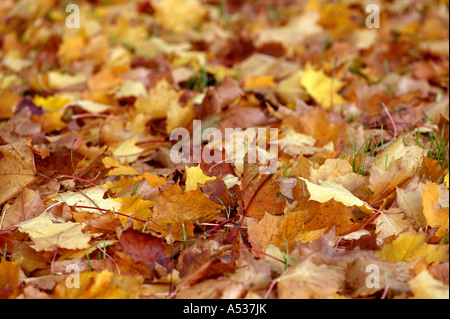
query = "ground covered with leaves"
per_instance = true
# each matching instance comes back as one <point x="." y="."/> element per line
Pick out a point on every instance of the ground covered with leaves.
<point x="94" y="206"/>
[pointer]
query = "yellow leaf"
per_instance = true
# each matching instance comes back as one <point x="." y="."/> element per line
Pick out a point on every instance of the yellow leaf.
<point x="58" y="80"/>
<point x="49" y="232"/>
<point x="409" y="246"/>
<point x="290" y="89"/>
<point x="425" y="286"/>
<point x="327" y="190"/>
<point x="446" y="180"/>
<point x="71" y="49"/>
<point x="126" y="182"/>
<point x="51" y="103"/>
<point x="8" y="103"/>
<point x="177" y="15"/>
<point x="128" y="151"/>
<point x="136" y="206"/>
<point x="195" y="176"/>
<point x="103" y="285"/>
<point x="321" y="87"/>
<point x="179" y="116"/>
<point x="52" y="121"/>
<point x="131" y="89"/>
<point x="88" y="197"/>
<point x="117" y="169"/>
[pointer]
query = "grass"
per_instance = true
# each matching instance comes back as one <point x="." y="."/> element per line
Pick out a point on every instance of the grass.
<point x="438" y="149"/>
<point x="359" y="161"/>
<point x="201" y="80"/>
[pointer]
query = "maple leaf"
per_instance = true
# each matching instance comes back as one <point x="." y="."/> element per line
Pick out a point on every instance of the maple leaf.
<point x="340" y="171"/>
<point x="294" y="143"/>
<point x="117" y="169"/>
<point x="327" y="190"/>
<point x="306" y="280"/>
<point x="17" y="168"/>
<point x="176" y="15"/>
<point x="435" y="215"/>
<point x="103" y="285"/>
<point x="137" y="207"/>
<point x="390" y="223"/>
<point x="409" y="246"/>
<point x="425" y="286"/>
<point x="411" y="203"/>
<point x="128" y="151"/>
<point x="321" y="87"/>
<point x="265" y="198"/>
<point x="9" y="274"/>
<point x="92" y="197"/>
<point x="195" y="176"/>
<point x="8" y="100"/>
<point x="51" y="103"/>
<point x="48" y="233"/>
<point x="175" y="206"/>
<point x="27" y="205"/>
<point x="71" y="49"/>
<point x="391" y="168"/>
<point x="143" y="248"/>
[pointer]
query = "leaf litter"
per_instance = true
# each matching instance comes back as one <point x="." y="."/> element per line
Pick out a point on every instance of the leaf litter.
<point x="88" y="182"/>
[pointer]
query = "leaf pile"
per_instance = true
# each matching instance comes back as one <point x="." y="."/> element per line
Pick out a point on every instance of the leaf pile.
<point x="87" y="181"/>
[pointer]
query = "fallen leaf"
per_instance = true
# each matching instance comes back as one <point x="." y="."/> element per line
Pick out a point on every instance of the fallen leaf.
<point x="92" y="198"/>
<point x="425" y="286"/>
<point x="409" y="246"/>
<point x="9" y="274"/>
<point x="176" y="15"/>
<point x="306" y="280"/>
<point x="175" y="206"/>
<point x="435" y="215"/>
<point x="128" y="152"/>
<point x="135" y="206"/>
<point x="28" y="205"/>
<point x="194" y="177"/>
<point x="103" y="285"/>
<point x="49" y="233"/>
<point x="143" y="248"/>
<point x="17" y="169"/>
<point x="411" y="203"/>
<point x="327" y="190"/>
<point x="321" y="87"/>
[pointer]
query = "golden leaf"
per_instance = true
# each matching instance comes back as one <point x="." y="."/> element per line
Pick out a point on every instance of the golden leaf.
<point x="195" y="176"/>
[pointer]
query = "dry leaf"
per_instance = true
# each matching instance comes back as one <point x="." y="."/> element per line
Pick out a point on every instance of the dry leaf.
<point x="17" y="169"/>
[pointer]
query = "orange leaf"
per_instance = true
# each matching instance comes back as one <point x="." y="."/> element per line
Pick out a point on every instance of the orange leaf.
<point x="175" y="206"/>
<point x="436" y="216"/>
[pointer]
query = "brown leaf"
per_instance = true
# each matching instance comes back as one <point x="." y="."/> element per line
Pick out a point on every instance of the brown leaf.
<point x="175" y="206"/>
<point x="306" y="280"/>
<point x="220" y="96"/>
<point x="16" y="169"/>
<point x="105" y="223"/>
<point x="27" y="205"/>
<point x="264" y="198"/>
<point x="143" y="248"/>
<point x="213" y="289"/>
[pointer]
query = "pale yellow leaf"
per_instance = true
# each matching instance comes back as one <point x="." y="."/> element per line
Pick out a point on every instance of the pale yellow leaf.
<point x="195" y="176"/>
